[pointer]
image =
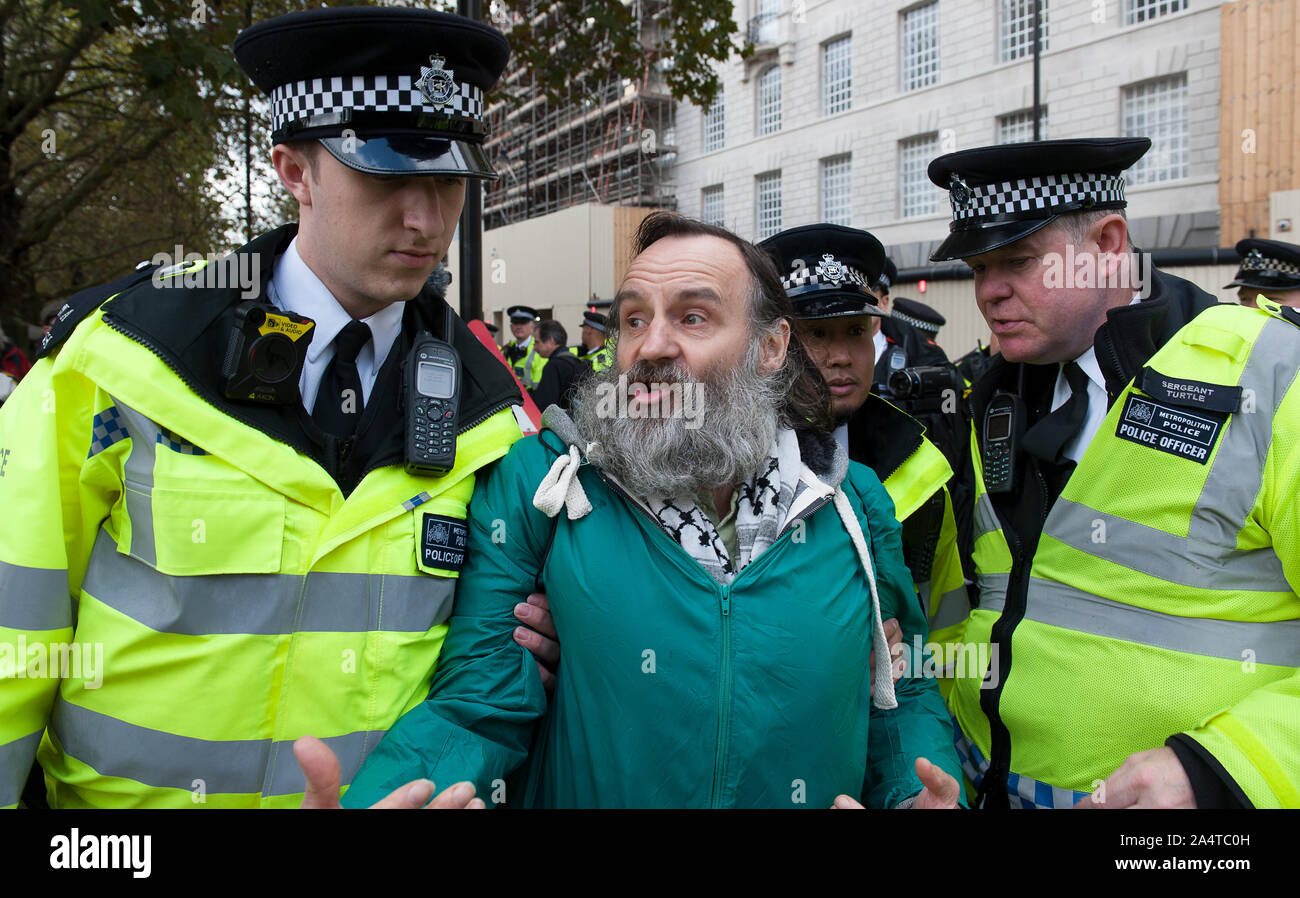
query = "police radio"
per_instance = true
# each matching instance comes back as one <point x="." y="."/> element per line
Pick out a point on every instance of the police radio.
<point x="1004" y="425"/>
<point x="265" y="354"/>
<point x="432" y="395"/>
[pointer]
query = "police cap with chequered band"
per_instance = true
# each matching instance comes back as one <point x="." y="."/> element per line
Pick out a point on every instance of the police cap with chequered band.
<point x="1267" y="265"/>
<point x="386" y="90"/>
<point x="521" y="314"/>
<point x="828" y="271"/>
<point x="918" y="314"/>
<point x="1002" y="194"/>
<point x="887" y="277"/>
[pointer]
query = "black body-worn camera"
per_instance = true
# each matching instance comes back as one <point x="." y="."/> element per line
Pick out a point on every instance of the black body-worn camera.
<point x="926" y="382"/>
<point x="265" y="355"/>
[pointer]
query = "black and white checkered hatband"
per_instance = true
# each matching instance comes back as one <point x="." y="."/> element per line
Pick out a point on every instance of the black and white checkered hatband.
<point x="1028" y="198"/>
<point x="393" y="101"/>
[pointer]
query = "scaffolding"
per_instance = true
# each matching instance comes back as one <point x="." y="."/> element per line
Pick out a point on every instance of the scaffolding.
<point x="609" y="140"/>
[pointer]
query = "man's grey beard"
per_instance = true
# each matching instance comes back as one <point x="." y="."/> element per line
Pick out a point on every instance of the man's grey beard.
<point x="667" y="458"/>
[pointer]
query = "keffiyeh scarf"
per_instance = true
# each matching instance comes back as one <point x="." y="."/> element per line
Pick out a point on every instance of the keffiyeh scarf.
<point x="762" y="503"/>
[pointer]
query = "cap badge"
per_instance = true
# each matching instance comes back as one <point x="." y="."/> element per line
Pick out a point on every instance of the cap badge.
<point x="830" y="269"/>
<point x="436" y="84"/>
<point x="959" y="192"/>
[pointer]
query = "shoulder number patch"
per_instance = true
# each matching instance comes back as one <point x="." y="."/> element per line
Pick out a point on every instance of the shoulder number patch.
<point x="1189" y="435"/>
<point x="444" y="542"/>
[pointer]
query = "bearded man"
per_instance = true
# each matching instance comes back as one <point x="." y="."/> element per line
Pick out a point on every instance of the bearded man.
<point x="717" y="655"/>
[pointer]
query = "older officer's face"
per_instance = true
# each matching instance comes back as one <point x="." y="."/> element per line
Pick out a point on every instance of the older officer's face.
<point x="371" y="240"/>
<point x="843" y="350"/>
<point x="1033" y="322"/>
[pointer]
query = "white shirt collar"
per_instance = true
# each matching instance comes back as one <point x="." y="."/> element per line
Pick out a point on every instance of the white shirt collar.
<point x="295" y="287"/>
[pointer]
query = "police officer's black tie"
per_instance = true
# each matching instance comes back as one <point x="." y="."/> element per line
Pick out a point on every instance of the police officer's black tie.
<point x="1048" y="438"/>
<point x="339" y="399"/>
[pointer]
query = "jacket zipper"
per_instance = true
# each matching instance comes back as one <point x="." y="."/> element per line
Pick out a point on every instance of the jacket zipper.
<point x="724" y="706"/>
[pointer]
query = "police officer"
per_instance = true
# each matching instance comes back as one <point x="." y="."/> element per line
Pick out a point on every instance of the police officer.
<point x="826" y="270"/>
<point x="563" y="370"/>
<point x="593" y="350"/>
<point x="224" y="502"/>
<point x="1135" y="515"/>
<point x="1270" y="268"/>
<point x="522" y="354"/>
<point x="920" y="316"/>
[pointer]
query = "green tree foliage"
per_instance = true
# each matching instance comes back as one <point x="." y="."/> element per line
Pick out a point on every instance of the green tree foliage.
<point x="555" y="39"/>
<point x="127" y="128"/>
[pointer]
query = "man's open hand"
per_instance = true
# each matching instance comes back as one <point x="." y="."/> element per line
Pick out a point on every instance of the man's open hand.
<point x="1148" y="779"/>
<point x="321" y="768"/>
<point x="941" y="790"/>
<point x="539" y="637"/>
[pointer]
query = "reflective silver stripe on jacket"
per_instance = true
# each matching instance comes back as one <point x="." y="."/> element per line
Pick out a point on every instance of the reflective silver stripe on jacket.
<point x="954" y="607"/>
<point x="138" y="481"/>
<point x="1174" y="559"/>
<point x="167" y="761"/>
<point x="1272" y="642"/>
<point x="33" y="598"/>
<point x="986" y="519"/>
<point x="993" y="590"/>
<point x="15" y="763"/>
<point x="1207" y="557"/>
<point x="1235" y="476"/>
<point x="265" y="604"/>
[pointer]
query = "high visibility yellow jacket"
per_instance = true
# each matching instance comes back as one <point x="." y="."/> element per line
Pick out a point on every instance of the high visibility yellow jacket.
<point x="192" y="594"/>
<point x="1163" y="600"/>
<point x="599" y="358"/>
<point x="526" y="363"/>
<point x="915" y="473"/>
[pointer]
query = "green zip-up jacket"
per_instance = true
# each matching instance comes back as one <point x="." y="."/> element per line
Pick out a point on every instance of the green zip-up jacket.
<point x="674" y="690"/>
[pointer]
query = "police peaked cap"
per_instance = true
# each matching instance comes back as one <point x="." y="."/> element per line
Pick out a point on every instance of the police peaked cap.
<point x="918" y="314"/>
<point x="522" y="313"/>
<point x="387" y="90"/>
<point x="828" y="271"/>
<point x="594" y="319"/>
<point x="1268" y="265"/>
<point x="1001" y="194"/>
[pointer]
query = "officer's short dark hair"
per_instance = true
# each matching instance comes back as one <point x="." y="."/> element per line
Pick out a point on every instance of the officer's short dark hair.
<point x="550" y="329"/>
<point x="807" y="405"/>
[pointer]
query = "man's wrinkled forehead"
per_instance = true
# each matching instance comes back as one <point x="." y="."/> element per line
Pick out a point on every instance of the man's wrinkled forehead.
<point x="696" y="265"/>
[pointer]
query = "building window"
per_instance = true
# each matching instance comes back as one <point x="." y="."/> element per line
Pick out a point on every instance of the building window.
<point x="837" y="76"/>
<point x="917" y="196"/>
<point x="837" y="197"/>
<point x="715" y="124"/>
<point x="1138" y="11"/>
<point x="1018" y="127"/>
<point x="769" y="100"/>
<point x="767" y="220"/>
<point x="763" y="27"/>
<point x="919" y="52"/>
<point x="1016" y="29"/>
<point x="1158" y="109"/>
<point x="711" y="205"/>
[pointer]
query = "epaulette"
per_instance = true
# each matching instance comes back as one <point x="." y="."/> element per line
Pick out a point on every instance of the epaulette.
<point x="1277" y="310"/>
<point x="82" y="304"/>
